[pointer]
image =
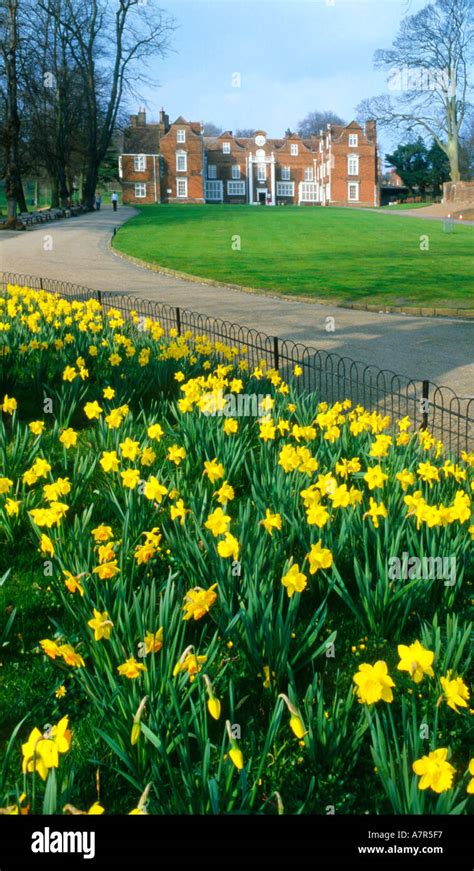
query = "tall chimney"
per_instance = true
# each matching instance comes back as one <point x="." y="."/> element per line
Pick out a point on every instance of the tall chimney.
<point x="133" y="120"/>
<point x="141" y="118"/>
<point x="371" y="130"/>
<point x="164" y="121"/>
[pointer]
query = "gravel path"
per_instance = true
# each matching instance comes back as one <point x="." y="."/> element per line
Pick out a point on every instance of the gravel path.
<point x="440" y="349"/>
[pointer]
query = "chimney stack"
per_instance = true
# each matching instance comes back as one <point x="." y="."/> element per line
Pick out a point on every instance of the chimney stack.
<point x="164" y="121"/>
<point x="141" y="117"/>
<point x="133" y="120"/>
<point x="371" y="130"/>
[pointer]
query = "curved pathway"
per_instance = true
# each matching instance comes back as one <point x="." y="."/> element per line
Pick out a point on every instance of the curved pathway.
<point x="78" y="250"/>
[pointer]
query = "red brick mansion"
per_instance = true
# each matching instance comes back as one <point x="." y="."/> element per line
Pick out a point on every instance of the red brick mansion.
<point x="176" y="163"/>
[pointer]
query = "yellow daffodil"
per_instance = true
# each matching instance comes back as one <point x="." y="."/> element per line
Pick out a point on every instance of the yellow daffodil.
<point x="319" y="558"/>
<point x="228" y="547"/>
<point x="131" y="668"/>
<point x="373" y="683"/>
<point x="271" y="521"/>
<point x="294" y="580"/>
<point x="198" y="602"/>
<point x="416" y="660"/>
<point x="218" y="522"/>
<point x="455" y="692"/>
<point x="436" y="773"/>
<point x="101" y="624"/>
<point x="68" y="438"/>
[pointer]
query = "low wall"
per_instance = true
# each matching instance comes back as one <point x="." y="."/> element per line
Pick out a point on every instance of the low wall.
<point x="458" y="192"/>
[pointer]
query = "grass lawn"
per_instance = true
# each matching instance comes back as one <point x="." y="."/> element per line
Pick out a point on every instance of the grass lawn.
<point x="338" y="254"/>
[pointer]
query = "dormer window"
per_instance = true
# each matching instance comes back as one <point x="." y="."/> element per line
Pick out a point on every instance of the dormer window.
<point x="294" y="149"/>
<point x="226" y="147"/>
<point x="353" y="140"/>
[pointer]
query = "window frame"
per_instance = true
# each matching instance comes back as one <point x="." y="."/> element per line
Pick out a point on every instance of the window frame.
<point x="140" y="184"/>
<point x="306" y="188"/>
<point x="181" y="136"/>
<point x="218" y="185"/>
<point x="350" y="185"/>
<point x="235" y="172"/>
<point x="179" y="182"/>
<point x="286" y="173"/>
<point x="139" y="162"/>
<point x="180" y="155"/>
<point x="353" y="160"/>
<point x="212" y="171"/>
<point x="353" y="144"/>
<point x="239" y="193"/>
<point x="285" y="184"/>
<point x="226" y="148"/>
<point x="294" y="149"/>
<point x="261" y="172"/>
<point x="308" y="174"/>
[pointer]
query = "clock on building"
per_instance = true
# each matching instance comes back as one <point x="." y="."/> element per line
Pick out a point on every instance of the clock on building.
<point x="260" y="140"/>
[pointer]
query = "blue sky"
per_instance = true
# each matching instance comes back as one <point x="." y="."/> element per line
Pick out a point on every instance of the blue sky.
<point x="293" y="57"/>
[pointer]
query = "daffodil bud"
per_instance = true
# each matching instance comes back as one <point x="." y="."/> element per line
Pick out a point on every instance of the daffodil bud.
<point x="135" y="734"/>
<point x="214" y="707"/>
<point x="296" y="725"/>
<point x="237" y="757"/>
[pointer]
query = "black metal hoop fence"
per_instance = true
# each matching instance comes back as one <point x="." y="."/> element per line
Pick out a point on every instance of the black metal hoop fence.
<point x="328" y="375"/>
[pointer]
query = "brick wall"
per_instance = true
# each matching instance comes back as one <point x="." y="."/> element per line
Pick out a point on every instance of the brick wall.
<point x="192" y="147"/>
<point x="458" y="191"/>
<point x="366" y="177"/>
<point x="131" y="177"/>
<point x="326" y="156"/>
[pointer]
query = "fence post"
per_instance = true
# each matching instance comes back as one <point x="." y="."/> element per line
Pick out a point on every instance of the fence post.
<point x="178" y="320"/>
<point x="99" y="296"/>
<point x="425" y="392"/>
<point x="276" y="356"/>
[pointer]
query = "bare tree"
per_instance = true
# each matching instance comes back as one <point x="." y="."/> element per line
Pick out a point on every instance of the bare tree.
<point x="316" y="121"/>
<point x="211" y="129"/>
<point x="54" y="105"/>
<point x="245" y="132"/>
<point x="428" y="67"/>
<point x="9" y="42"/>
<point x="110" y="44"/>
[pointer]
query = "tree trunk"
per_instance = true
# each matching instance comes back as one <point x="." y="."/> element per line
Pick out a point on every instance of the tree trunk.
<point x="90" y="185"/>
<point x="54" y="192"/>
<point x="12" y="125"/>
<point x="453" y="155"/>
<point x="20" y="195"/>
<point x="63" y="188"/>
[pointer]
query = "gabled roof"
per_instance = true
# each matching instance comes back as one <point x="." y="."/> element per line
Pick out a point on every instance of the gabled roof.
<point x="195" y="126"/>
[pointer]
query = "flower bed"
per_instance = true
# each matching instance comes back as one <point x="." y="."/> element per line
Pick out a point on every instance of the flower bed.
<point x="252" y="612"/>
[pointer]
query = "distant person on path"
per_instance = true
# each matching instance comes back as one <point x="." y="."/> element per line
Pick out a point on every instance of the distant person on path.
<point x="115" y="200"/>
<point x="98" y="201"/>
